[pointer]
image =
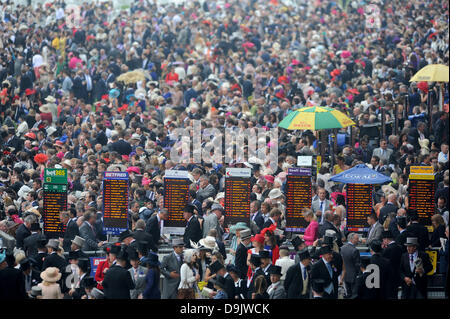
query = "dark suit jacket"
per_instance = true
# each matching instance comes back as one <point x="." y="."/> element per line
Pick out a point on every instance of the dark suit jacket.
<point x="12" y="284"/>
<point x="22" y="232"/>
<point x="143" y="236"/>
<point x="192" y="232"/>
<point x="421" y="232"/>
<point x="70" y="233"/>
<point x="267" y="224"/>
<point x="122" y="147"/>
<point x="117" y="283"/>
<point x="153" y="229"/>
<point x="385" y="211"/>
<point x="55" y="260"/>
<point x="361" y="290"/>
<point x="320" y="271"/>
<point x="39" y="258"/>
<point x="385" y="275"/>
<point x="393" y="252"/>
<point x="293" y="284"/>
<point x="405" y="271"/>
<point x="240" y="260"/>
<point x="229" y="286"/>
<point x="259" y="220"/>
<point x="329" y="226"/>
<point x="30" y="243"/>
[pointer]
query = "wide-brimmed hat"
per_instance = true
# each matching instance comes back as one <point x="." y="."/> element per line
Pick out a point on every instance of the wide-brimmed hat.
<point x="151" y="259"/>
<point x="412" y="241"/>
<point x="208" y="242"/>
<point x="140" y="94"/>
<point x="125" y="234"/>
<point x="50" y="99"/>
<point x="275" y="193"/>
<point x="79" y="241"/>
<point x="246" y="234"/>
<point x="51" y="274"/>
<point x="45" y="109"/>
<point x="259" y="238"/>
<point x="238" y="226"/>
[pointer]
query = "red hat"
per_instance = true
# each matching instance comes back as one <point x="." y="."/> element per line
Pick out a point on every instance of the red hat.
<point x="31" y="135"/>
<point x="125" y="158"/>
<point x="40" y="158"/>
<point x="29" y="91"/>
<point x="269" y="178"/>
<point x="59" y="143"/>
<point x="259" y="238"/>
<point x="133" y="169"/>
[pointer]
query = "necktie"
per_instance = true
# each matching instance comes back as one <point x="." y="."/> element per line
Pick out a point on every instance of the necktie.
<point x="135" y="275"/>
<point x="330" y="270"/>
<point x="411" y="261"/>
<point x="321" y="207"/>
<point x="304" y="273"/>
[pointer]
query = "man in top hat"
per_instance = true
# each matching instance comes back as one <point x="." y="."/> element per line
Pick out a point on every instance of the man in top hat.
<point x="266" y="265"/>
<point x="362" y="291"/>
<point x="240" y="289"/>
<point x="53" y="259"/>
<point x="118" y="282"/>
<point x="297" y="282"/>
<point x="219" y="269"/>
<point x="220" y="284"/>
<point x="351" y="259"/>
<point x="385" y="269"/>
<point x="137" y="273"/>
<point x="299" y="244"/>
<point x="131" y="245"/>
<point x="417" y="230"/>
<point x="393" y="252"/>
<point x="31" y="242"/>
<point x="76" y="245"/>
<point x="89" y="284"/>
<point x="41" y="253"/>
<point x="193" y="230"/>
<point x="414" y="266"/>
<point x="324" y="269"/>
<point x="84" y="268"/>
<point x="170" y="268"/>
<point x="211" y="221"/>
<point x="142" y="236"/>
<point x="71" y="230"/>
<point x="155" y="223"/>
<point x="240" y="260"/>
<point x="255" y="263"/>
<point x="32" y="277"/>
<point x="276" y="289"/>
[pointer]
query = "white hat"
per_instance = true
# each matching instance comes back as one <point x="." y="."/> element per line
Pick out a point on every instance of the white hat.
<point x="23" y="191"/>
<point x="140" y="94"/>
<point x="50" y="130"/>
<point x="220" y="196"/>
<point x="50" y="99"/>
<point x="275" y="193"/>
<point x="22" y="128"/>
<point x="135" y="136"/>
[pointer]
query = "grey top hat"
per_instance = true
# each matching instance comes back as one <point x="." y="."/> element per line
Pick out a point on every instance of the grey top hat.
<point x="79" y="241"/>
<point x="53" y="243"/>
<point x="36" y="291"/>
<point x="177" y="242"/>
<point x="97" y="293"/>
<point x="246" y="234"/>
<point x="411" y="241"/>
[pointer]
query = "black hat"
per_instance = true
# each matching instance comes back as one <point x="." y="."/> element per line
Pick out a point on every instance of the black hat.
<point x="142" y="247"/>
<point x="219" y="281"/>
<point x="132" y="254"/>
<point x="41" y="242"/>
<point x="25" y="264"/>
<point x="151" y="259"/>
<point x="35" y="227"/>
<point x="325" y="250"/>
<point x="304" y="254"/>
<point x="189" y="208"/>
<point x="387" y="234"/>
<point x="412" y="214"/>
<point x="232" y="268"/>
<point x="275" y="270"/>
<point x="84" y="264"/>
<point x="255" y="260"/>
<point x="365" y="261"/>
<point x="297" y="241"/>
<point x="115" y="249"/>
<point x="401" y="221"/>
<point x="89" y="282"/>
<point x="73" y="255"/>
<point x="376" y="246"/>
<point x="264" y="254"/>
<point x="125" y="234"/>
<point x="318" y="285"/>
<point x="122" y="255"/>
<point x="327" y="240"/>
<point x="215" y="267"/>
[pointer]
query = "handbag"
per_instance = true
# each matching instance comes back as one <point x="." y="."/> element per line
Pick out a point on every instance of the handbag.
<point x="186" y="293"/>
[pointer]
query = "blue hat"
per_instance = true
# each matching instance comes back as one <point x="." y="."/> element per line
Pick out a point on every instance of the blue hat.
<point x="114" y="93"/>
<point x="63" y="138"/>
<point x="151" y="259"/>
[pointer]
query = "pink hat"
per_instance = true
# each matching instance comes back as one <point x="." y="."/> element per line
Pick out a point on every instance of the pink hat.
<point x="269" y="178"/>
<point x="60" y="155"/>
<point x="146" y="181"/>
<point x="133" y="169"/>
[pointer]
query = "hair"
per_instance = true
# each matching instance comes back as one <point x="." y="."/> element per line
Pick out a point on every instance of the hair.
<point x="438" y="219"/>
<point x="140" y="224"/>
<point x="260" y="284"/>
<point x="275" y="212"/>
<point x="373" y="216"/>
<point x="219" y="257"/>
<point x="351" y="236"/>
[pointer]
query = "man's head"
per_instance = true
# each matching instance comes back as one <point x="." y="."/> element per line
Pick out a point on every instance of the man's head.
<point x="375" y="160"/>
<point x="64" y="217"/>
<point x="265" y="258"/>
<point x="204" y="181"/>
<point x="372" y="219"/>
<point x="322" y="194"/>
<point x="275" y="214"/>
<point x="327" y="253"/>
<point x="90" y="217"/>
<point x="188" y="211"/>
<point x="163" y="214"/>
<point x="275" y="274"/>
<point x="383" y="144"/>
<point x="353" y="238"/>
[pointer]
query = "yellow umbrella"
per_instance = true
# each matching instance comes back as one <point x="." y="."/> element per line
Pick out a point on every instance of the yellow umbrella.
<point x="315" y="118"/>
<point x="431" y="73"/>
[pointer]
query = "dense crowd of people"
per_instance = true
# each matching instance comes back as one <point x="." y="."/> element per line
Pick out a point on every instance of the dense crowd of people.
<point x="237" y="65"/>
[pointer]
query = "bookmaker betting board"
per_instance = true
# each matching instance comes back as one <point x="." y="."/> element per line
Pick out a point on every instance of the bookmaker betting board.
<point x="421" y="192"/>
<point x="115" y="202"/>
<point x="237" y="195"/>
<point x="359" y="206"/>
<point x="176" y="196"/>
<point x="55" y="200"/>
<point x="298" y="197"/>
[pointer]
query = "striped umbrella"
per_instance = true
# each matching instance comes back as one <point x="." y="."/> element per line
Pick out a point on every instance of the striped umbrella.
<point x="315" y="118"/>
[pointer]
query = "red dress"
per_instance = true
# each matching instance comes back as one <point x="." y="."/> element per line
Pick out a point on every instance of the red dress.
<point x="99" y="274"/>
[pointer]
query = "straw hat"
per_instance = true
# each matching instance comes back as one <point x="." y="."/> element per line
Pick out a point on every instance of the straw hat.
<point x="51" y="274"/>
<point x="50" y="99"/>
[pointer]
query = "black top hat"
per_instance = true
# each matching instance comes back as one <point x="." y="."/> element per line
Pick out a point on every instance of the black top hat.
<point x="125" y="234"/>
<point x="255" y="260"/>
<point x="275" y="270"/>
<point x="325" y="250"/>
<point x="232" y="268"/>
<point x="132" y="254"/>
<point x="142" y="247"/>
<point x="376" y="246"/>
<point x="387" y="234"/>
<point x="35" y="227"/>
<point x="297" y="241"/>
<point x="365" y="261"/>
<point x="304" y="254"/>
<point x="328" y="240"/>
<point x="318" y="285"/>
<point x="122" y="255"/>
<point x="84" y="264"/>
<point x="215" y="267"/>
<point x="402" y="222"/>
<point x="89" y="282"/>
<point x="264" y="254"/>
<point x="219" y="281"/>
<point x="115" y="249"/>
<point x="41" y="242"/>
<point x="189" y="208"/>
<point x="73" y="255"/>
<point x="25" y="264"/>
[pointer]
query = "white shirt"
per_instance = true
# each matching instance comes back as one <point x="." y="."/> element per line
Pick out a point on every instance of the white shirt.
<point x="442" y="158"/>
<point x="272" y="287"/>
<point x="412" y="264"/>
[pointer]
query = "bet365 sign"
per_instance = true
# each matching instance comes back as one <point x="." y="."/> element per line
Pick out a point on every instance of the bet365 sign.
<point x="55" y="176"/>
